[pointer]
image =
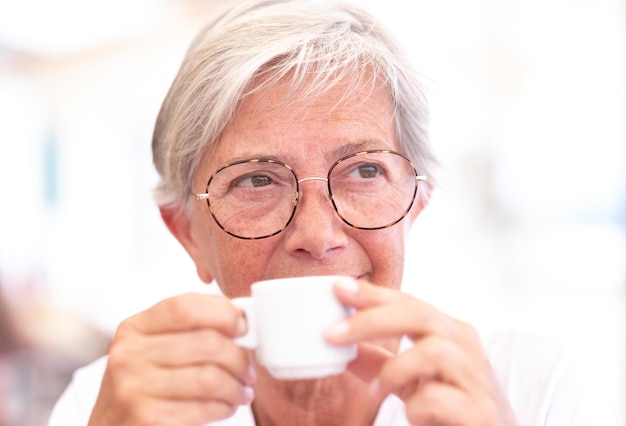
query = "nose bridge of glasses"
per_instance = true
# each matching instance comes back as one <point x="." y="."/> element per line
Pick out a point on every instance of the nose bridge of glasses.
<point x="312" y="179"/>
<point x="306" y="179"/>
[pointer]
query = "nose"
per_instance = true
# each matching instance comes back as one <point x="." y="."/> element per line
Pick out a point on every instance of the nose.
<point x="315" y="230"/>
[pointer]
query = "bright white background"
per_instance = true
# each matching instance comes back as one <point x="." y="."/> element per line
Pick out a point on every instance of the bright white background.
<point x="526" y="228"/>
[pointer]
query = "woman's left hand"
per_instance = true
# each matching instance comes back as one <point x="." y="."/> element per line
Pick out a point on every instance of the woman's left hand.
<point x="445" y="378"/>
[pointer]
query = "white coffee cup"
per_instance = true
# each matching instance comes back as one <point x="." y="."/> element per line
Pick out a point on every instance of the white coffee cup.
<point x="286" y="321"/>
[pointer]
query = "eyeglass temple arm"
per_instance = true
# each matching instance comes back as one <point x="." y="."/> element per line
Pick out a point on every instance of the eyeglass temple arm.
<point x="201" y="196"/>
<point x="422" y="178"/>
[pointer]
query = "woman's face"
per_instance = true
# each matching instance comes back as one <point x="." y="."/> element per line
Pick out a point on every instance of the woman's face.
<point x="309" y="134"/>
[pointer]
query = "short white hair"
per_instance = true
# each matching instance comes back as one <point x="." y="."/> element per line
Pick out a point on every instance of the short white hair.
<point x="260" y="42"/>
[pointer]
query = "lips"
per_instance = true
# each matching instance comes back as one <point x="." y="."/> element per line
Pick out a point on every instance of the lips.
<point x="321" y="274"/>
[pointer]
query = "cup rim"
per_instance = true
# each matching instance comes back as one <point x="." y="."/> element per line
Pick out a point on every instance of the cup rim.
<point x="298" y="280"/>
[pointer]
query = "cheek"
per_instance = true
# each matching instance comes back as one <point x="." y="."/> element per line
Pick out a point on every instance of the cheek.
<point x="386" y="252"/>
<point x="239" y="263"/>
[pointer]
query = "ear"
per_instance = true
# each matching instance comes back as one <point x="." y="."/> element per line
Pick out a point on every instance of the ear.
<point x="422" y="197"/>
<point x="179" y="224"/>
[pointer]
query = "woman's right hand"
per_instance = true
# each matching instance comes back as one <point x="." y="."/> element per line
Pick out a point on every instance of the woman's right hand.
<point x="176" y="363"/>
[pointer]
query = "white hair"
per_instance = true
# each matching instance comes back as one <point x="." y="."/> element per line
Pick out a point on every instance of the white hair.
<point x="259" y="42"/>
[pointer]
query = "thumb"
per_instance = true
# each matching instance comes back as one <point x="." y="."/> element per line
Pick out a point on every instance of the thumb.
<point x="368" y="362"/>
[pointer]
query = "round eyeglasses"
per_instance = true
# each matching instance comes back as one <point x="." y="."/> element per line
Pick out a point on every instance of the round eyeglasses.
<point x="257" y="198"/>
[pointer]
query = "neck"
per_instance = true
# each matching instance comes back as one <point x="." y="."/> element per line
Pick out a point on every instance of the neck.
<point x="341" y="400"/>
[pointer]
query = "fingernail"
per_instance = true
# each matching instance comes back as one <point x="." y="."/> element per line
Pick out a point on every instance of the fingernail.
<point x="242" y="326"/>
<point x="251" y="376"/>
<point x="348" y="284"/>
<point x="374" y="387"/>
<point x="338" y="329"/>
<point x="248" y="393"/>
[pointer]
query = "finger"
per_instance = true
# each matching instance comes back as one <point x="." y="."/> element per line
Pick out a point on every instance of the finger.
<point x="172" y="412"/>
<point x="368" y="362"/>
<point x="203" y="382"/>
<point x="188" y="312"/>
<point x="360" y="294"/>
<point x="430" y="359"/>
<point x="199" y="347"/>
<point x="436" y="403"/>
<point x="406" y="316"/>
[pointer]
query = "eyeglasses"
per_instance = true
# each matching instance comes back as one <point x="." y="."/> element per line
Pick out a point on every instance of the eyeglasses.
<point x="257" y="198"/>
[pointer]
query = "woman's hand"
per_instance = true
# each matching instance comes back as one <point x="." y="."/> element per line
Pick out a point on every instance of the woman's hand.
<point x="445" y="378"/>
<point x="176" y="363"/>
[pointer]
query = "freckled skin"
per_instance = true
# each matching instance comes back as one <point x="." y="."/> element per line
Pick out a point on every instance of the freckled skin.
<point x="177" y="362"/>
<point x="305" y="136"/>
<point x="308" y="135"/>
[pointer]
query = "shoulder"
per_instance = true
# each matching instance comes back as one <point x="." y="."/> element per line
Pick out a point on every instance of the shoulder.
<point x="514" y="355"/>
<point x="77" y="400"/>
<point x="549" y="381"/>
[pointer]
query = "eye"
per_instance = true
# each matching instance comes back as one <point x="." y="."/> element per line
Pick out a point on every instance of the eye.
<point x="253" y="181"/>
<point x="366" y="171"/>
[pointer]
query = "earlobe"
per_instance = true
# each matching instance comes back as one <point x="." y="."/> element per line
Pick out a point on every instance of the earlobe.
<point x="179" y="224"/>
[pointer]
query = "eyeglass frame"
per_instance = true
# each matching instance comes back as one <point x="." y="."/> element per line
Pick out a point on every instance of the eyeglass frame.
<point x="296" y="196"/>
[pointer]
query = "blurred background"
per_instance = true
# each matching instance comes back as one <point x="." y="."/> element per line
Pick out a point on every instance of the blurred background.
<point x="526" y="229"/>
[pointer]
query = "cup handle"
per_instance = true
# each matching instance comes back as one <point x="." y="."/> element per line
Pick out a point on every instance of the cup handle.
<point x="248" y="340"/>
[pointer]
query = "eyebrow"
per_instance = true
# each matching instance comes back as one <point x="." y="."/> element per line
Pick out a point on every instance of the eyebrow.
<point x="342" y="151"/>
<point x="352" y="147"/>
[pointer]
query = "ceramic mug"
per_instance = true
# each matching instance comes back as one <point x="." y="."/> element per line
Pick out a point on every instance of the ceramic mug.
<point x="286" y="320"/>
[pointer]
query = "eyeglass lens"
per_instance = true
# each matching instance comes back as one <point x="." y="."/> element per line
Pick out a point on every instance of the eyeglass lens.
<point x="258" y="198"/>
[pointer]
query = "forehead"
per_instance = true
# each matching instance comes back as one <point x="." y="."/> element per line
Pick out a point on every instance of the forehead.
<point x="304" y="125"/>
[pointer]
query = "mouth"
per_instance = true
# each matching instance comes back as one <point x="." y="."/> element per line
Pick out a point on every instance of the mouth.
<point x="326" y="273"/>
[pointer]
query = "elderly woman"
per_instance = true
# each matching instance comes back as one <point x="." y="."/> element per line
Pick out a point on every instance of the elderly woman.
<point x="270" y="99"/>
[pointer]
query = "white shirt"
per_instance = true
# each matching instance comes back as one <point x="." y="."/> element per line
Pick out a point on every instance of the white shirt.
<point x="546" y="384"/>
